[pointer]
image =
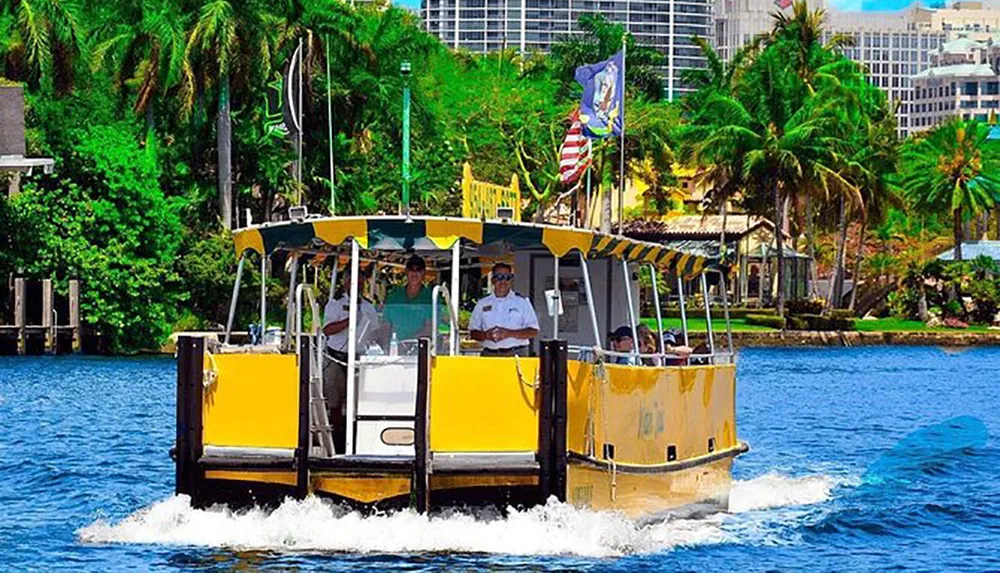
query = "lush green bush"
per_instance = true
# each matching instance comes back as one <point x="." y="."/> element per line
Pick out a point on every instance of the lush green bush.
<point x="111" y="227"/>
<point x="734" y="313"/>
<point x="765" y="320"/>
<point x="796" y="322"/>
<point x="804" y="306"/>
<point x="825" y="323"/>
<point x="841" y="313"/>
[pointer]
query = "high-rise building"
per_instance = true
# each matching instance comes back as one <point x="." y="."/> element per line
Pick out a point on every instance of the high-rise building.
<point x="534" y="25"/>
<point x="890" y="45"/>
<point x="962" y="81"/>
<point x="968" y="19"/>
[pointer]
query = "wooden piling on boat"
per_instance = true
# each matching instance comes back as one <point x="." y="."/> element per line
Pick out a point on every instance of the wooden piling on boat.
<point x="304" y="435"/>
<point x="552" y="420"/>
<point x="190" y="359"/>
<point x="421" y="431"/>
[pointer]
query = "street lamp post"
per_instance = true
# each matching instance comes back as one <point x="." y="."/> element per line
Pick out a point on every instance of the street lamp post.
<point x="404" y="70"/>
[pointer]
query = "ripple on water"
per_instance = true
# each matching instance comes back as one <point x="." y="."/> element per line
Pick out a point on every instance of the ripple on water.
<point x="86" y="483"/>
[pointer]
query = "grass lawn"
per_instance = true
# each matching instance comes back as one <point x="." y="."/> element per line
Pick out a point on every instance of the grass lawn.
<point x="698" y="324"/>
<point x="901" y="325"/>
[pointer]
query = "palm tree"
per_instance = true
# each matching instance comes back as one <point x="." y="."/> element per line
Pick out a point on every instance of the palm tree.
<point x="954" y="168"/>
<point x="42" y="41"/>
<point x="770" y="155"/>
<point x="718" y="77"/>
<point x="804" y="31"/>
<point x="229" y="40"/>
<point x="147" y="57"/>
<point x="880" y="156"/>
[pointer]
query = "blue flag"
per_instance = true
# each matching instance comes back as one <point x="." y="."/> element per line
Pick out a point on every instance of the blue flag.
<point x="602" y="111"/>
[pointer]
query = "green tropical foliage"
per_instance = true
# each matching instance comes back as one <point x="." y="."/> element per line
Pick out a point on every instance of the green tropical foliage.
<point x="954" y="169"/>
<point x="154" y="111"/>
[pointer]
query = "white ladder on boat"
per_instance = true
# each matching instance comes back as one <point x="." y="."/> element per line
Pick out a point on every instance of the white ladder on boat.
<point x="321" y="432"/>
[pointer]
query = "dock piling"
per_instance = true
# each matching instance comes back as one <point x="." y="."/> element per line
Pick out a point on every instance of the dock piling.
<point x="48" y="324"/>
<point x="74" y="312"/>
<point x="20" y="315"/>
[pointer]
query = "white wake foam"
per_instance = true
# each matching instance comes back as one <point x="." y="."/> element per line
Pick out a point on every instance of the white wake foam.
<point x="554" y="529"/>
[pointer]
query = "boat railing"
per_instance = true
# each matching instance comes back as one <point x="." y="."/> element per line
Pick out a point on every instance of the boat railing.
<point x="590" y="353"/>
<point x="442" y="291"/>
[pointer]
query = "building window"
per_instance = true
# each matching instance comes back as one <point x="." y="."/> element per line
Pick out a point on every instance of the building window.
<point x="992" y="88"/>
<point x="970" y="88"/>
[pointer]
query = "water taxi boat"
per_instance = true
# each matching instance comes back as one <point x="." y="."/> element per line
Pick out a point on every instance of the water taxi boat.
<point x="436" y="424"/>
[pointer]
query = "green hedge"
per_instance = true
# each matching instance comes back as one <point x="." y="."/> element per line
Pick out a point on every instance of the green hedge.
<point x="769" y="320"/>
<point x="841" y="313"/>
<point x="824" y="323"/>
<point x="740" y="312"/>
<point x="796" y="322"/>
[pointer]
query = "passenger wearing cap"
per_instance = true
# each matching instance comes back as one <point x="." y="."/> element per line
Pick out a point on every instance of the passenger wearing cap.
<point x="620" y="340"/>
<point x="408" y="308"/>
<point x="504" y="322"/>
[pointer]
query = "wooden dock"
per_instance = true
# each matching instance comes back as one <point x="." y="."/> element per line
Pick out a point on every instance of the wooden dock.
<point x="52" y="331"/>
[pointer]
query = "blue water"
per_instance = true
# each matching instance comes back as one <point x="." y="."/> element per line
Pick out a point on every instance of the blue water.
<point x="863" y="459"/>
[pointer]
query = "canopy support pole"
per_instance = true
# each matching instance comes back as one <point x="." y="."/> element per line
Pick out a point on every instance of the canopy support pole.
<point x="708" y="316"/>
<point x="590" y="301"/>
<point x="352" y="349"/>
<point x="558" y="296"/>
<point x="684" y="320"/>
<point x="456" y="266"/>
<point x="236" y="294"/>
<point x="263" y="297"/>
<point x="293" y="306"/>
<point x="725" y="312"/>
<point x="631" y="309"/>
<point x="659" y="314"/>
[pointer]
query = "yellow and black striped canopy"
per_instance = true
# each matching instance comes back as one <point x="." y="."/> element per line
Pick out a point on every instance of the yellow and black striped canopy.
<point x="440" y="233"/>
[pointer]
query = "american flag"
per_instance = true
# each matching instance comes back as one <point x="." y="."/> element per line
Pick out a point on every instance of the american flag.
<point x="574" y="157"/>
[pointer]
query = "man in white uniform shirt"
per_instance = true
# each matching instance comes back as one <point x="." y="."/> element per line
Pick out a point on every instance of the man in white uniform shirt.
<point x="504" y="322"/>
<point x="336" y="319"/>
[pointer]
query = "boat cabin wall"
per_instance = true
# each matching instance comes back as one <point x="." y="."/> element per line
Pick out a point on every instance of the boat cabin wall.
<point x="535" y="273"/>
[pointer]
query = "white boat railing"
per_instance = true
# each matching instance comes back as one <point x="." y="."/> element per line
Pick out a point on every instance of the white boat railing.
<point x="442" y="291"/>
<point x="590" y="353"/>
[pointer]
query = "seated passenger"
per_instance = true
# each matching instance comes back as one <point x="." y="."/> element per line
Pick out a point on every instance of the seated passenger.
<point x="504" y="322"/>
<point x="408" y="308"/>
<point x="336" y="322"/>
<point x="620" y="340"/>
<point x="649" y="343"/>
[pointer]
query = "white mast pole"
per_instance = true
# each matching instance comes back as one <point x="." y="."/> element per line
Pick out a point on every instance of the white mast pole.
<point x="329" y="131"/>
<point x="621" y="176"/>
<point x="298" y="170"/>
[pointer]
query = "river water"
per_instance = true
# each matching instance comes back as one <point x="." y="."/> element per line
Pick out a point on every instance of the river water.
<point x="862" y="459"/>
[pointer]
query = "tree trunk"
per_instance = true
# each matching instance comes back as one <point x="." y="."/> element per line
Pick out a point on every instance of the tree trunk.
<point x="922" y="302"/>
<point x="841" y="262"/>
<point x="722" y="234"/>
<point x="857" y="263"/>
<point x="224" y="127"/>
<point x="811" y="247"/>
<point x="779" y="240"/>
<point x="605" y="190"/>
<point x="831" y="292"/>
<point x="957" y="228"/>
